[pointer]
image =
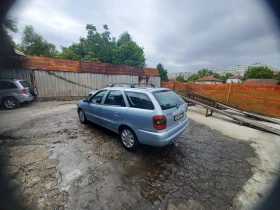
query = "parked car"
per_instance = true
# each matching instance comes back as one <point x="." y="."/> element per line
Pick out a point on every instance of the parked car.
<point x="152" y="116"/>
<point x="16" y="91"/>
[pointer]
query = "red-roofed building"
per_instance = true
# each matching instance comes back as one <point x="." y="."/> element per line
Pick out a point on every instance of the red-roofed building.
<point x="208" y="80"/>
<point x="234" y="79"/>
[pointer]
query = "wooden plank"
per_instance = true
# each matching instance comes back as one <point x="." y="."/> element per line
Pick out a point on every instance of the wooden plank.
<point x="237" y="118"/>
<point x="269" y="119"/>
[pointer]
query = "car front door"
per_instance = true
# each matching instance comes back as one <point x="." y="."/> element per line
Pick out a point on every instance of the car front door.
<point x="113" y="110"/>
<point x="92" y="108"/>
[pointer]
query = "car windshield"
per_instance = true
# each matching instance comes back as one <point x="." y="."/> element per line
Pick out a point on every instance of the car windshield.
<point x="24" y="83"/>
<point x="167" y="99"/>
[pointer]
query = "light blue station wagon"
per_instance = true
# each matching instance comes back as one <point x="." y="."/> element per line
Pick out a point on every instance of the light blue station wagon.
<point x="152" y="116"/>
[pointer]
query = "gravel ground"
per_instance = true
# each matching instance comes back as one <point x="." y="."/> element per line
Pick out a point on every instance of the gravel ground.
<point x="55" y="162"/>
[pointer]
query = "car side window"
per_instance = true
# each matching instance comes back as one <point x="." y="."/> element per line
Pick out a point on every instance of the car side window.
<point x="115" y="98"/>
<point x="97" y="98"/>
<point x="9" y="85"/>
<point x="139" y="100"/>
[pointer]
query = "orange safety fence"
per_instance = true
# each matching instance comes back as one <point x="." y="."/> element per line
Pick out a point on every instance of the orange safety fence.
<point x="258" y="98"/>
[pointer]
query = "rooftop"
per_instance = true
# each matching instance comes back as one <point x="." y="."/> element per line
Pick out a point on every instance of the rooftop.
<point x="235" y="77"/>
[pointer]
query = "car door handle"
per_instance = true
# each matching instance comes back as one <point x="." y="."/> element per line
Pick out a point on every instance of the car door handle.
<point x="95" y="109"/>
<point x="117" y="114"/>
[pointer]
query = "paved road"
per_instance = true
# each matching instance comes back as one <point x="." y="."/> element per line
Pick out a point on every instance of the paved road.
<point x="56" y="162"/>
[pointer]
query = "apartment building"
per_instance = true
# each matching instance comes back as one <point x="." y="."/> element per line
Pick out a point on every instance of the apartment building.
<point x="239" y="69"/>
<point x="185" y="75"/>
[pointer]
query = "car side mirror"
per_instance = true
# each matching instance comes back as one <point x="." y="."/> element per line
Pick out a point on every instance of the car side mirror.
<point x="85" y="100"/>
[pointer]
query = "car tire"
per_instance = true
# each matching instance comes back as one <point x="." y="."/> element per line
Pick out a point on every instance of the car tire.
<point x="82" y="117"/>
<point x="10" y="103"/>
<point x="129" y="139"/>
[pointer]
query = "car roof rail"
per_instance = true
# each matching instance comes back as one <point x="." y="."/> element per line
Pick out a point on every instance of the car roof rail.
<point x="132" y="85"/>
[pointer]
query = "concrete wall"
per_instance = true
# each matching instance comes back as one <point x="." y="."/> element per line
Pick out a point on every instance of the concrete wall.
<point x="233" y="80"/>
<point x="208" y="82"/>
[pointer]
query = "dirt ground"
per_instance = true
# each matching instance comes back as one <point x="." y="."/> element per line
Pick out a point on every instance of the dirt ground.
<point x="55" y="162"/>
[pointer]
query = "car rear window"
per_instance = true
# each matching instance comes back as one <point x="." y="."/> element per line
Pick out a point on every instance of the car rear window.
<point x="167" y="99"/>
<point x="139" y="100"/>
<point x="24" y="84"/>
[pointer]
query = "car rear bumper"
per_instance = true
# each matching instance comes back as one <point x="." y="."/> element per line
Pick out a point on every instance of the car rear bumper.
<point x="24" y="98"/>
<point x="163" y="138"/>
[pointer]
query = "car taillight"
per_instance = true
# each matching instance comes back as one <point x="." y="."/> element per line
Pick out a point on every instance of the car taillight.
<point x="24" y="91"/>
<point x="159" y="122"/>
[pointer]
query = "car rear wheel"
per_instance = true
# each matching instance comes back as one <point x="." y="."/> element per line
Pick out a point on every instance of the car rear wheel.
<point x="129" y="139"/>
<point x="10" y="103"/>
<point x="82" y="116"/>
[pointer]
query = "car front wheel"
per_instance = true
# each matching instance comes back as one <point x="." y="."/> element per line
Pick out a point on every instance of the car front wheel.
<point x="129" y="139"/>
<point x="82" y="116"/>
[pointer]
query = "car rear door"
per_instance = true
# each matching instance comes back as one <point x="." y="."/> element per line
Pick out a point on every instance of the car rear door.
<point x="93" y="106"/>
<point x="173" y="108"/>
<point x="113" y="109"/>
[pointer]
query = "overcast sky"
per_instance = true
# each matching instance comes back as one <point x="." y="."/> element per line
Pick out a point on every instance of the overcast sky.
<point x="183" y="35"/>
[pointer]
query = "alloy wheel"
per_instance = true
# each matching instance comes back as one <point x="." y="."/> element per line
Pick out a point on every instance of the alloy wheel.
<point x="10" y="104"/>
<point x="127" y="138"/>
<point x="82" y="116"/>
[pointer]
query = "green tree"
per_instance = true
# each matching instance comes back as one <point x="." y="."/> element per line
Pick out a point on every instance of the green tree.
<point x="129" y="53"/>
<point x="33" y="43"/>
<point x="162" y="73"/>
<point x="228" y="75"/>
<point x="258" y="72"/>
<point x="277" y="76"/>
<point x="124" y="37"/>
<point x="216" y="75"/>
<point x="180" y="79"/>
<point x="193" y="77"/>
<point x="101" y="47"/>
<point x="10" y="25"/>
<point x="70" y="53"/>
<point x="204" y="72"/>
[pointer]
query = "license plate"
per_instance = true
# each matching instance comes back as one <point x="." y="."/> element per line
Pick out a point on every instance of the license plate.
<point x="178" y="116"/>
